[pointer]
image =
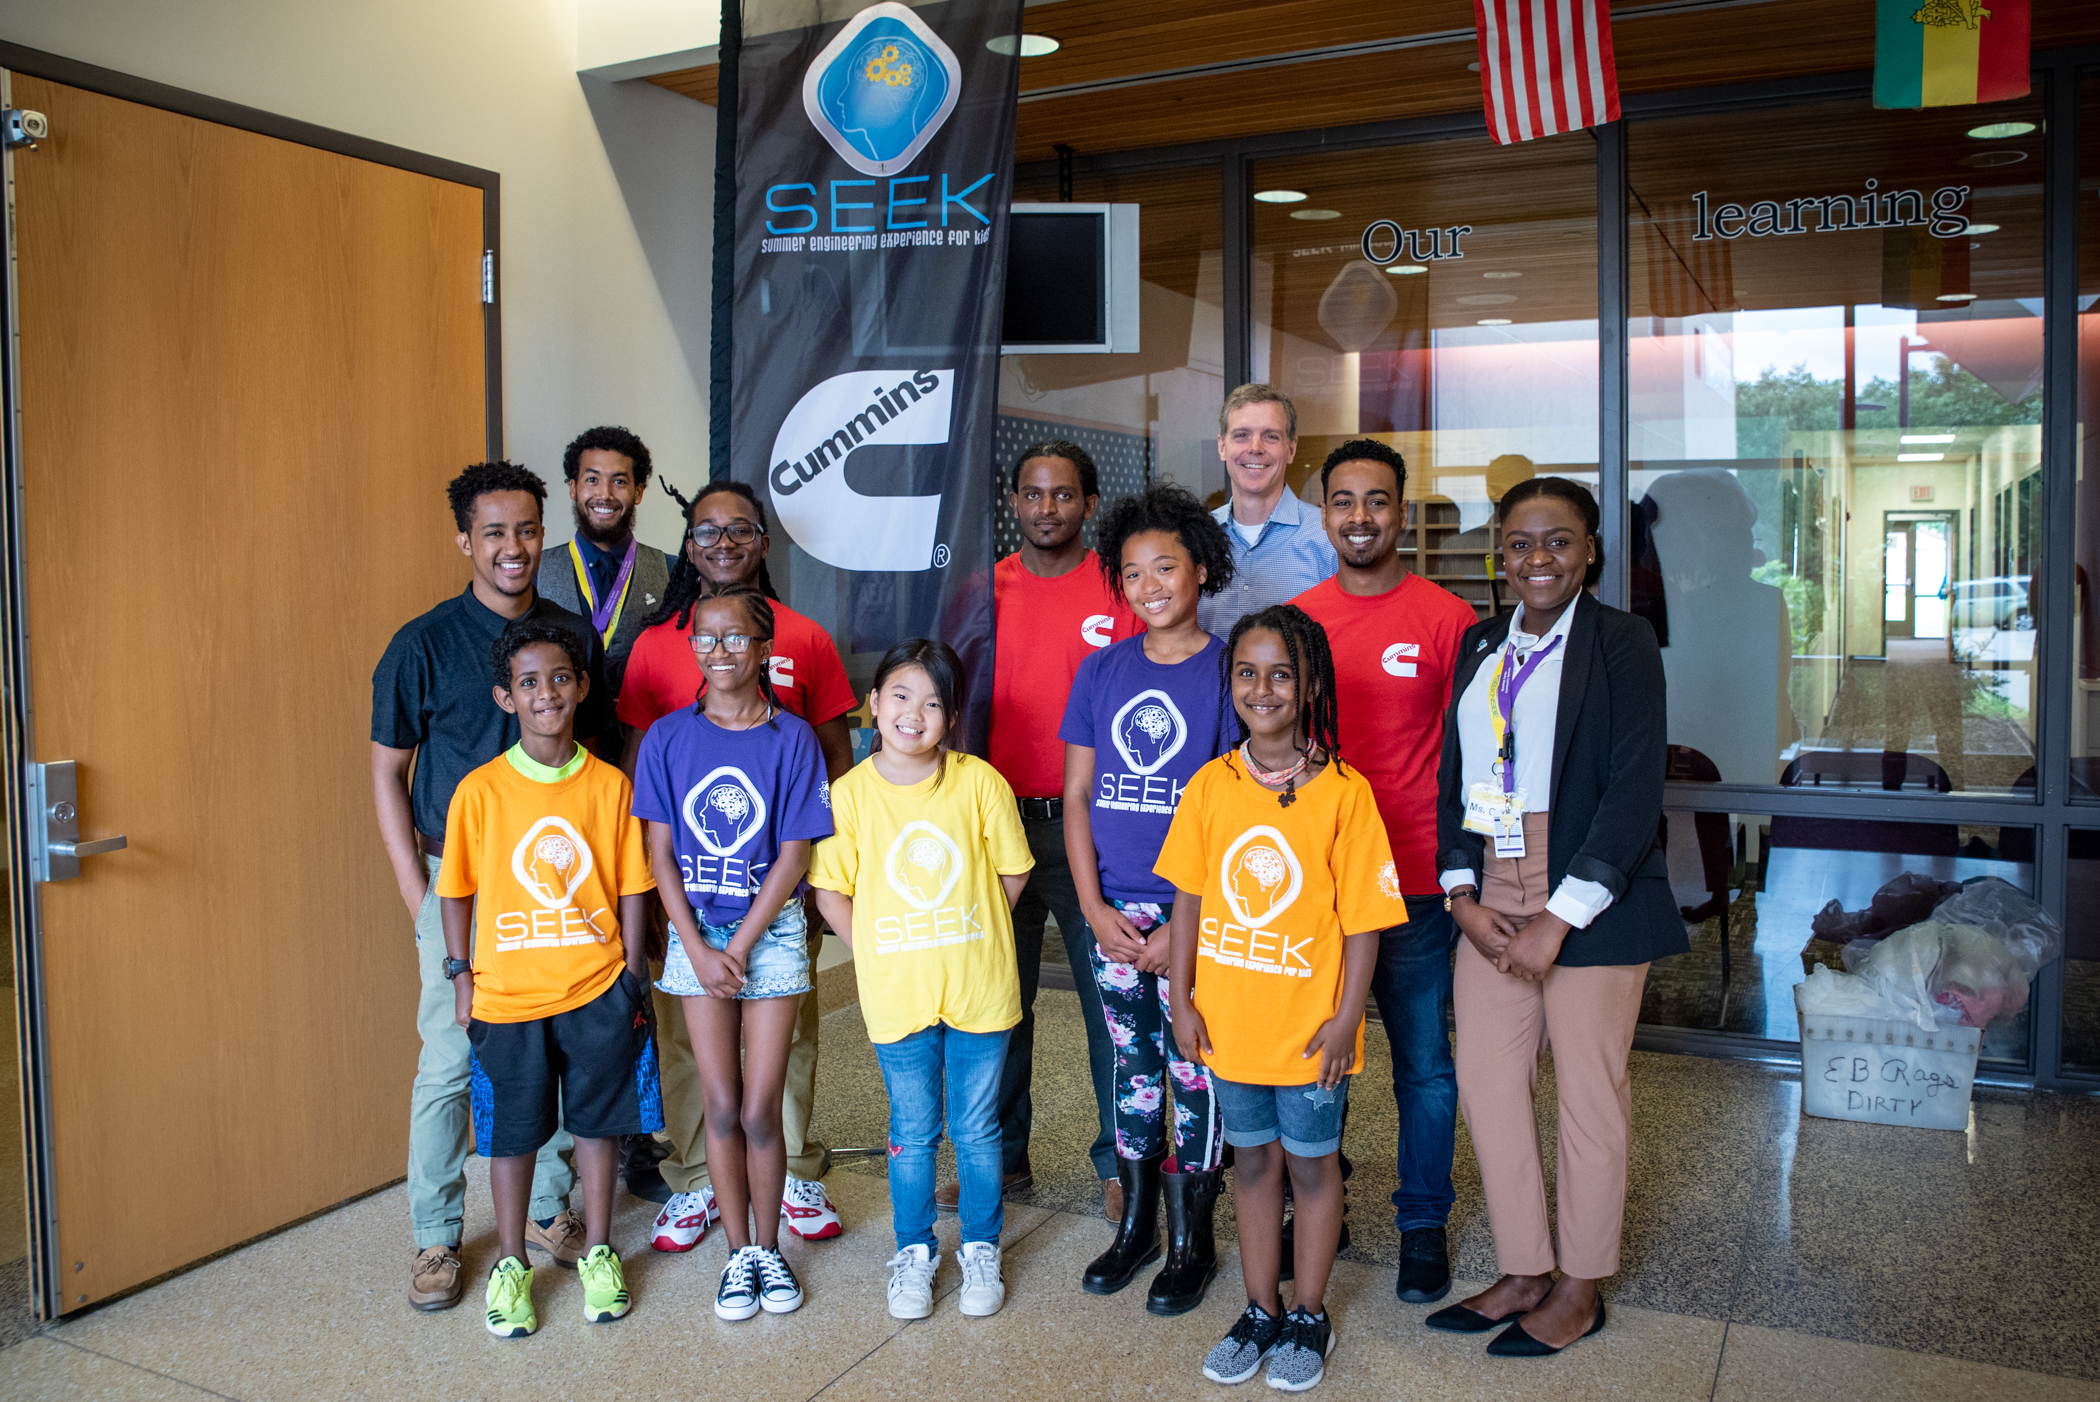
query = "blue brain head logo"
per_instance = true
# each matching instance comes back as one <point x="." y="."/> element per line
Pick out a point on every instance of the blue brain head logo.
<point x="881" y="89"/>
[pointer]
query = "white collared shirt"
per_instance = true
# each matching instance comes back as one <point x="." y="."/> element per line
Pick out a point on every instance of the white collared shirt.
<point x="1537" y="711"/>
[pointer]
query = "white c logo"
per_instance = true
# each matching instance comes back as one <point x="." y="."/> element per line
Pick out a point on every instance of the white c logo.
<point x="1392" y="663"/>
<point x="860" y="409"/>
<point x="1096" y="629"/>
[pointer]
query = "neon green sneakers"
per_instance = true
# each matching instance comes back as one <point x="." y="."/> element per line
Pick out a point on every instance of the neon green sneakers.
<point x="510" y="1300"/>
<point x="605" y="1296"/>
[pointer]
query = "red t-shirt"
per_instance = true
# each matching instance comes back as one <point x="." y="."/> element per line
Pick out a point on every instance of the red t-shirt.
<point x="1394" y="654"/>
<point x="1046" y="628"/>
<point x="663" y="674"/>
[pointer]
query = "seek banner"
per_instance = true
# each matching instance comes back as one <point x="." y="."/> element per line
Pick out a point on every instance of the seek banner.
<point x="873" y="177"/>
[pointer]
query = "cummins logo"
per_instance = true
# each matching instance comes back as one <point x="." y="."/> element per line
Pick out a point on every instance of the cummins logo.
<point x="819" y="508"/>
<point x="881" y="89"/>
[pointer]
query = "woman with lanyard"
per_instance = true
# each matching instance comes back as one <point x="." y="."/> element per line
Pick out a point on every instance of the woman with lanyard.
<point x="1550" y="797"/>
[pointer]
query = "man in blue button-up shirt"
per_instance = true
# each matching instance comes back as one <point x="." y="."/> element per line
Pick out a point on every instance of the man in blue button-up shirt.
<point x="1279" y="546"/>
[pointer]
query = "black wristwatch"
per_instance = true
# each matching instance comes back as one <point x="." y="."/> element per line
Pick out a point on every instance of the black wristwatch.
<point x="455" y="967"/>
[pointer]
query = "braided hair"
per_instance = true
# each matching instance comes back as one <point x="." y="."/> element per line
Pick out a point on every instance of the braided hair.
<point x="1318" y="712"/>
<point x="687" y="586"/>
<point x="759" y="610"/>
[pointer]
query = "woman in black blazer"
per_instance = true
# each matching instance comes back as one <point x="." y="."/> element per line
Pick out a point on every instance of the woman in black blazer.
<point x="1550" y="796"/>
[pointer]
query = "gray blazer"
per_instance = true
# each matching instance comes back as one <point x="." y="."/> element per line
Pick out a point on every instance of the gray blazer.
<point x="652" y="574"/>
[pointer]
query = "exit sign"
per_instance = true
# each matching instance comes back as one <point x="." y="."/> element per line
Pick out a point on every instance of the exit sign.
<point x="1921" y="494"/>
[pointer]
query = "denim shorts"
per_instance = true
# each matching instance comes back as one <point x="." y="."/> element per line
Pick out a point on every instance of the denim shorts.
<point x="1307" y="1119"/>
<point x="777" y="967"/>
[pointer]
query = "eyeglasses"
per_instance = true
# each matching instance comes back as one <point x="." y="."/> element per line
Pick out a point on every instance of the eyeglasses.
<point x="736" y="642"/>
<point x="708" y="533"/>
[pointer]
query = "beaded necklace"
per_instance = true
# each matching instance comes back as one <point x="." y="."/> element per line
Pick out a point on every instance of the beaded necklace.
<point x="1286" y="777"/>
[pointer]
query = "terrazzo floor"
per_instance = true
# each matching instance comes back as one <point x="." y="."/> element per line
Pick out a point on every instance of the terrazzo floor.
<point x="1766" y="1256"/>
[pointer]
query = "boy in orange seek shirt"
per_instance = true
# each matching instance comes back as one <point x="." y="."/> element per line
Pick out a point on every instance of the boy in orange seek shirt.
<point x="541" y="848"/>
<point x="1286" y="879"/>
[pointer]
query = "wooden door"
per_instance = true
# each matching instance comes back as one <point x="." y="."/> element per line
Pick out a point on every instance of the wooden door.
<point x="247" y="368"/>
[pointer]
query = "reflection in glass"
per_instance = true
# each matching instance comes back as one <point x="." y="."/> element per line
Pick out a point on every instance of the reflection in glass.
<point x="1836" y="441"/>
<point x="2081" y="1046"/>
<point x="2085" y="709"/>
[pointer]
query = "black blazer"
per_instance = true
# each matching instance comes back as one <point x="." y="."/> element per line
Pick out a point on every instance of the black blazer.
<point x="1609" y="753"/>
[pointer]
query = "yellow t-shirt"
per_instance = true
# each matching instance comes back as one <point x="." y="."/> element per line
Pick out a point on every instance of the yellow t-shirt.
<point x="547" y="859"/>
<point x="933" y="940"/>
<point x="1281" y="889"/>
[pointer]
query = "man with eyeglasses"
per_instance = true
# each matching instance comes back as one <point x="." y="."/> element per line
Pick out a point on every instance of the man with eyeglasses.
<point x="604" y="573"/>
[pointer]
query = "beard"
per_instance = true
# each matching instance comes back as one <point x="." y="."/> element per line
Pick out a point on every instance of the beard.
<point x="616" y="536"/>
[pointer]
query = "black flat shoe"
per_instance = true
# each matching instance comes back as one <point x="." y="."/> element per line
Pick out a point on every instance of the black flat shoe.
<point x="1513" y="1342"/>
<point x="1460" y="1320"/>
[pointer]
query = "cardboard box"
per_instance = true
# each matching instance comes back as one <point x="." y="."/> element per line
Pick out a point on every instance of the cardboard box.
<point x="1887" y="1072"/>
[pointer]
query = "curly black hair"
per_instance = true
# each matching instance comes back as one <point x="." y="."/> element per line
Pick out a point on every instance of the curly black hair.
<point x="687" y="586"/>
<point x="485" y="477"/>
<point x="759" y="610"/>
<point x="1575" y="495"/>
<point x="611" y="439"/>
<point x="1164" y="507"/>
<point x="1319" y="713"/>
<point x="524" y="632"/>
<point x="1089" y="475"/>
<point x="1366" y="450"/>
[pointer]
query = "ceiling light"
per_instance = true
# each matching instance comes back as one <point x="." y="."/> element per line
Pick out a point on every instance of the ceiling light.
<point x="1928" y="438"/>
<point x="1497" y="276"/>
<point x="1493" y="321"/>
<point x="1405" y="269"/>
<point x="1316" y="214"/>
<point x="1955" y="297"/>
<point x="1997" y="156"/>
<point x="1027" y="45"/>
<point x="1473" y="67"/>
<point x="1998" y="131"/>
<point x="1487" y="299"/>
<point x="1279" y="196"/>
<point x="1981" y="229"/>
<point x="1921" y="457"/>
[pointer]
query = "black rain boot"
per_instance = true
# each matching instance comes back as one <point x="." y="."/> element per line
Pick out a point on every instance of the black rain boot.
<point x="1137" y="1236"/>
<point x="1192" y="1248"/>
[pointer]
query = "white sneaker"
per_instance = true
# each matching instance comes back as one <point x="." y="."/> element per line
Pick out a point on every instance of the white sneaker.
<point x="983" y="1292"/>
<point x="778" y="1290"/>
<point x="684" y="1220"/>
<point x="911" y="1282"/>
<point x="807" y="1210"/>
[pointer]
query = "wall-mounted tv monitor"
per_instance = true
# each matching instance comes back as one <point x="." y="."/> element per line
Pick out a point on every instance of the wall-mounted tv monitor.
<point x="1071" y="280"/>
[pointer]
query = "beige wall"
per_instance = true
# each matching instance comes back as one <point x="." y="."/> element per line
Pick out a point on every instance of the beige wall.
<point x="607" y="187"/>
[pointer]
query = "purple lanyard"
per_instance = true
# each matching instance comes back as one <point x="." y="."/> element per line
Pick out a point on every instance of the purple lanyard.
<point x="603" y="610"/>
<point x="1506" y="689"/>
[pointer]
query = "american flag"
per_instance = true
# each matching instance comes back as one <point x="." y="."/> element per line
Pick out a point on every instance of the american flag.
<point x="1545" y="66"/>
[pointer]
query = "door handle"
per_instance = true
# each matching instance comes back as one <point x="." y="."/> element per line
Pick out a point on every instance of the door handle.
<point x="55" y="842"/>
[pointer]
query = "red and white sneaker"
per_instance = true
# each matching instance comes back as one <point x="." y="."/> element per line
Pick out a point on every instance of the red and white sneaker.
<point x="808" y="1211"/>
<point x="684" y="1220"/>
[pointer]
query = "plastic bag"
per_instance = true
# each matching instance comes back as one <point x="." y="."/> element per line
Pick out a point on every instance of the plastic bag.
<point x="1899" y="969"/>
<point x="2007" y="914"/>
<point x="1828" y="993"/>
<point x="1906" y="900"/>
<point x="1969" y="965"/>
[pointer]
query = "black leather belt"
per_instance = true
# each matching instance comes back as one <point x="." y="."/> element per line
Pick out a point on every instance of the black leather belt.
<point x="1043" y="810"/>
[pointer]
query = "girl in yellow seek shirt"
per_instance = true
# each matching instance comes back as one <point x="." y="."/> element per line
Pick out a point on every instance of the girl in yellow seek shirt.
<point x="920" y="875"/>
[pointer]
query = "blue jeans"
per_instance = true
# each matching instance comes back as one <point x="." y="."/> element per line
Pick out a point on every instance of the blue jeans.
<point x="1412" y="984"/>
<point x="916" y="1070"/>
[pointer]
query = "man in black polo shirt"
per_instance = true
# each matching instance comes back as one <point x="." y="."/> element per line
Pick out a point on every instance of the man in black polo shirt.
<point x="434" y="714"/>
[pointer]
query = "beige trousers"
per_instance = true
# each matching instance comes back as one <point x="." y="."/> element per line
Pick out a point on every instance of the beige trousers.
<point x="1587" y="1015"/>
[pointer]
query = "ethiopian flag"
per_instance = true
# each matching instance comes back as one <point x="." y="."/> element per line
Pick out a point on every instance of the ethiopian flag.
<point x="1943" y="53"/>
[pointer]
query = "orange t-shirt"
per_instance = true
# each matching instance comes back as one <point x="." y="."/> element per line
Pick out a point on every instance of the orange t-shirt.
<point x="1281" y="889"/>
<point x="547" y="856"/>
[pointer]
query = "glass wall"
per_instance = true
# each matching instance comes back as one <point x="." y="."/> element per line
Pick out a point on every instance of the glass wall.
<point x="2085" y="699"/>
<point x="1442" y="297"/>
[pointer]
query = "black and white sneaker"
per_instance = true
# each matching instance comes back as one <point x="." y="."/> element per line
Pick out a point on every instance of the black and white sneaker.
<point x="1300" y="1358"/>
<point x="778" y="1290"/>
<point x="737" y="1296"/>
<point x="1239" y="1354"/>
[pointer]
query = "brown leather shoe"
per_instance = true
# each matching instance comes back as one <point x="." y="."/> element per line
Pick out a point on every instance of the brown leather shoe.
<point x="562" y="1238"/>
<point x="1112" y="1199"/>
<point x="434" y="1282"/>
<point x="948" y="1197"/>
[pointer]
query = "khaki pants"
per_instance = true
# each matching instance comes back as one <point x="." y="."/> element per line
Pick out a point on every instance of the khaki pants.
<point x="1587" y="1015"/>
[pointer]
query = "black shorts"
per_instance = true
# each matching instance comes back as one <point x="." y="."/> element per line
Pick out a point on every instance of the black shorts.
<point x="592" y="1068"/>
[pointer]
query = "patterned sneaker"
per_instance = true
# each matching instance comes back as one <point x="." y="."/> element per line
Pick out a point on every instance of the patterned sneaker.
<point x="1300" y="1359"/>
<point x="1239" y="1354"/>
<point x="911" y="1282"/>
<point x="605" y="1296"/>
<point x="562" y="1238"/>
<point x="983" y="1292"/>
<point x="510" y="1300"/>
<point x="684" y="1220"/>
<point x="778" y="1290"/>
<point x="807" y="1210"/>
<point x="737" y="1296"/>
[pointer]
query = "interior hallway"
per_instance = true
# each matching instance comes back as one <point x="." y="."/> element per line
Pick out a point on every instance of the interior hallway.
<point x="1765" y="1257"/>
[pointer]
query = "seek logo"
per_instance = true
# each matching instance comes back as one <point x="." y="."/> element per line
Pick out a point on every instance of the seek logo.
<point x="881" y="89"/>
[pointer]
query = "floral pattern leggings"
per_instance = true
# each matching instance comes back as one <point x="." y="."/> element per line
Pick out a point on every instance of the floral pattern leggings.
<point x="1141" y="1025"/>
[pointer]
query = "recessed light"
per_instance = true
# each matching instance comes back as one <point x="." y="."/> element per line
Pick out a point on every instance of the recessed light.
<point x="1316" y="214"/>
<point x="1406" y="269"/>
<point x="1473" y="67"/>
<point x="1279" y="196"/>
<point x="1998" y="131"/>
<point x="2002" y="156"/>
<point x="1499" y="276"/>
<point x="1493" y="321"/>
<point x="1487" y="299"/>
<point x="1027" y="45"/>
<point x="1981" y="229"/>
<point x="1955" y="297"/>
<point x="1921" y="457"/>
<point x="1927" y="438"/>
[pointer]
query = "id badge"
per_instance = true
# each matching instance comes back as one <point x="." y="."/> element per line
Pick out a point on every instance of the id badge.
<point x="1497" y="815"/>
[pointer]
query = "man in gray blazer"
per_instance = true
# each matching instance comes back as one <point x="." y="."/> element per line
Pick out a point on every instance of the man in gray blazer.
<point x="604" y="574"/>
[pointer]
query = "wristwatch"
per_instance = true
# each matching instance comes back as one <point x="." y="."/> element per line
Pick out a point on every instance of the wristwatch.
<point x="455" y="967"/>
<point x="1450" y="896"/>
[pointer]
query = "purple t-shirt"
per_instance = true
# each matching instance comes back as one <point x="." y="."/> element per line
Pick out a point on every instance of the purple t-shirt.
<point x="731" y="798"/>
<point x="1151" y="727"/>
